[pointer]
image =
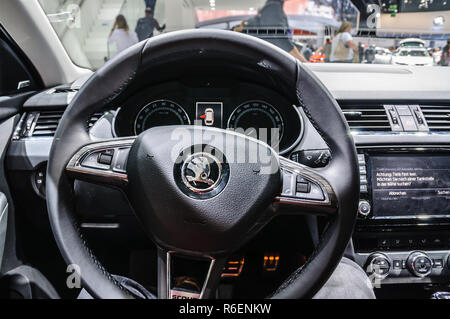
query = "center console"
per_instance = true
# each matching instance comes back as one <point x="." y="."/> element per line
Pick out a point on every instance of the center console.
<point x="402" y="233"/>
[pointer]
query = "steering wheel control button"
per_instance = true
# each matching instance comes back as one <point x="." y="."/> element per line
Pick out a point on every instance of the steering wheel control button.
<point x="364" y="208"/>
<point x="419" y="264"/>
<point x="113" y="159"/>
<point x="120" y="160"/>
<point x="93" y="161"/>
<point x="313" y="159"/>
<point x="301" y="179"/>
<point x="303" y="188"/>
<point x="105" y="158"/>
<point x="288" y="190"/>
<point x="296" y="186"/>
<point x="315" y="193"/>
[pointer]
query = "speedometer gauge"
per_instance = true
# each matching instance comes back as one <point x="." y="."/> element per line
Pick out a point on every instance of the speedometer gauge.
<point x="258" y="119"/>
<point x="160" y="113"/>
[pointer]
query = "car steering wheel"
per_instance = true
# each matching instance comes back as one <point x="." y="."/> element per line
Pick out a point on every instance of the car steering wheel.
<point x="191" y="195"/>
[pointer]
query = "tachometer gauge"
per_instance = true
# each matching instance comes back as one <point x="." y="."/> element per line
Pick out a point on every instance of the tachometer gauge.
<point x="160" y="113"/>
<point x="258" y="119"/>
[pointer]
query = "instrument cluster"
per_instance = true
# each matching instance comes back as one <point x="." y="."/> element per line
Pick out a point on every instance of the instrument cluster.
<point x="245" y="108"/>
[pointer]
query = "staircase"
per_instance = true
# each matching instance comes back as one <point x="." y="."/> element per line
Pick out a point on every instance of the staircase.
<point x="96" y="43"/>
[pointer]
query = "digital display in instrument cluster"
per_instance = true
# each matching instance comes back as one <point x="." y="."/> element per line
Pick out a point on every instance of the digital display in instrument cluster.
<point x="209" y="114"/>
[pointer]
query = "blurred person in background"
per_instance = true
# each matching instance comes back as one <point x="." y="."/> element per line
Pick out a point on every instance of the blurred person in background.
<point x="436" y="56"/>
<point x="307" y="52"/>
<point x="370" y="53"/>
<point x="150" y="4"/>
<point x="327" y="50"/>
<point x="121" y="34"/>
<point x="343" y="48"/>
<point x="240" y="27"/>
<point x="445" y="54"/>
<point x="146" y="25"/>
<point x="361" y="52"/>
<point x="272" y="15"/>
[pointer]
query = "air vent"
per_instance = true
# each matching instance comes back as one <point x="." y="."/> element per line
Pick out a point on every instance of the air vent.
<point x="366" y="118"/>
<point x="437" y="117"/>
<point x="65" y="90"/>
<point x="47" y="123"/>
<point x="44" y="124"/>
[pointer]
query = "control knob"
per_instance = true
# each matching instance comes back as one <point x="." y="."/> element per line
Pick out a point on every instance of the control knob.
<point x="364" y="208"/>
<point x="419" y="264"/>
<point x="378" y="265"/>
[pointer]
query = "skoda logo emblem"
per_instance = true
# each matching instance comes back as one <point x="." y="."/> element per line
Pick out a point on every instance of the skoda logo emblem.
<point x="201" y="172"/>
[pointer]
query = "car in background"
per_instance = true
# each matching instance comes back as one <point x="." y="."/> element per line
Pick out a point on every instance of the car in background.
<point x="413" y="57"/>
<point x="412" y="43"/>
<point x="383" y="56"/>
<point x="318" y="56"/>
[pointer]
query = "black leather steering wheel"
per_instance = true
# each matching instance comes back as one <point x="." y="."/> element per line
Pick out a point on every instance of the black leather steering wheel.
<point x="213" y="221"/>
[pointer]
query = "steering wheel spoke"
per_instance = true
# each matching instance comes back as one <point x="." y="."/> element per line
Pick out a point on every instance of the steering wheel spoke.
<point x="183" y="276"/>
<point x="305" y="190"/>
<point x="102" y="162"/>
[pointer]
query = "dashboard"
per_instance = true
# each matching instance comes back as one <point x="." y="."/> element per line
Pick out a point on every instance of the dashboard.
<point x="400" y="126"/>
<point x="247" y="108"/>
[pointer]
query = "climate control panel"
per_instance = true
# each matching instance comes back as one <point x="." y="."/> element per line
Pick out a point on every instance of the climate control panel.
<point x="406" y="267"/>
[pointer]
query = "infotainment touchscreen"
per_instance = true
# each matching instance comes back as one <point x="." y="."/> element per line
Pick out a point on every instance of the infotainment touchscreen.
<point x="406" y="186"/>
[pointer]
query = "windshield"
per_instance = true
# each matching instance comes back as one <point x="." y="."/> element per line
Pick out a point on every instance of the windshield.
<point x="412" y="44"/>
<point x="413" y="53"/>
<point x="342" y="31"/>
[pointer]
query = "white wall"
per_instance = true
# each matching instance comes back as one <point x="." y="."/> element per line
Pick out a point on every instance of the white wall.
<point x="39" y="41"/>
<point x="178" y="14"/>
<point x="419" y="22"/>
<point x="73" y="35"/>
